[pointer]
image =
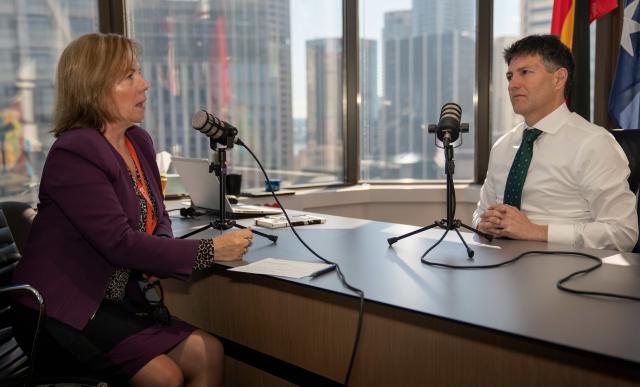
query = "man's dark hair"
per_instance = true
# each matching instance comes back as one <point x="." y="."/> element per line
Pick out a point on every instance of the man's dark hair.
<point x="553" y="52"/>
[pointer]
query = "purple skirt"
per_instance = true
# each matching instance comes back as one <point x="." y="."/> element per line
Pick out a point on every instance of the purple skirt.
<point x="115" y="344"/>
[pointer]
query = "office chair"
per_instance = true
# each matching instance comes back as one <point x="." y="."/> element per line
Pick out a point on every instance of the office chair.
<point x="16" y="367"/>
<point x="629" y="140"/>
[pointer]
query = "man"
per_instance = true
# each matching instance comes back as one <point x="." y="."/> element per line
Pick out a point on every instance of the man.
<point x="555" y="177"/>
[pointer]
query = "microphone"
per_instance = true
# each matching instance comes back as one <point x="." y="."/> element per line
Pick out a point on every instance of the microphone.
<point x="217" y="130"/>
<point x="449" y="126"/>
<point x="449" y="123"/>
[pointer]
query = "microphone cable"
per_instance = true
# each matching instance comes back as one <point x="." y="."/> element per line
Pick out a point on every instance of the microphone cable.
<point x="343" y="280"/>
<point x="561" y="282"/>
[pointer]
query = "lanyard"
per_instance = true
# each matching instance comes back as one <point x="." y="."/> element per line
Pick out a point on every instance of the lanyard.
<point x="151" y="219"/>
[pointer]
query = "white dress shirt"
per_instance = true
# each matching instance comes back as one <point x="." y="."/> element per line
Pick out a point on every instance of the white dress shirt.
<point x="577" y="183"/>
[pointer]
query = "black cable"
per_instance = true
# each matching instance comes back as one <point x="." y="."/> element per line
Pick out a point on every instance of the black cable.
<point x="36" y="334"/>
<point x="559" y="284"/>
<point x="454" y="204"/>
<point x="359" y="292"/>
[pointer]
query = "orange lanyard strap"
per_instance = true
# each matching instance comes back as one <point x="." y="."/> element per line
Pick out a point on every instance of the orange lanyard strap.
<point x="151" y="219"/>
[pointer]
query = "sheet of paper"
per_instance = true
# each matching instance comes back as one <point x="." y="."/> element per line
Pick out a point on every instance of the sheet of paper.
<point x="282" y="268"/>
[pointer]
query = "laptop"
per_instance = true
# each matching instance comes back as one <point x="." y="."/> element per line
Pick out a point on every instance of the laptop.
<point x="204" y="189"/>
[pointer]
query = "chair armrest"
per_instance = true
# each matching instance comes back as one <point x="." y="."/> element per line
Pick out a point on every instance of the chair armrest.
<point x="24" y="287"/>
<point x="36" y="294"/>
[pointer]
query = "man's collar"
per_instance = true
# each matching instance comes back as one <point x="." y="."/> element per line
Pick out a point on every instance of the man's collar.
<point x="552" y="122"/>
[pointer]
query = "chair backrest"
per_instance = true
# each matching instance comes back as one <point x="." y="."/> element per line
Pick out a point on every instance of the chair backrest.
<point x="13" y="361"/>
<point x="629" y="140"/>
<point x="8" y="251"/>
<point x="19" y="217"/>
<point x="15" y="224"/>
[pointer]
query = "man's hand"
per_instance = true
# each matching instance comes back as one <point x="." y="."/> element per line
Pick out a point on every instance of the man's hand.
<point x="503" y="220"/>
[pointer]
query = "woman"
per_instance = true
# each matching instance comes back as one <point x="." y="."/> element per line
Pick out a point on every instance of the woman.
<point x="102" y="226"/>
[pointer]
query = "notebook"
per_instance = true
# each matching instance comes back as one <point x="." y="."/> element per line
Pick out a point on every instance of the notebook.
<point x="204" y="189"/>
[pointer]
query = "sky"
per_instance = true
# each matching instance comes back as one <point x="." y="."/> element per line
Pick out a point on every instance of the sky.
<point x="312" y="19"/>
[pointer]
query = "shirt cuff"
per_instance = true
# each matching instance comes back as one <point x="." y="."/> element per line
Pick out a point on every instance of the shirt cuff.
<point x="560" y="233"/>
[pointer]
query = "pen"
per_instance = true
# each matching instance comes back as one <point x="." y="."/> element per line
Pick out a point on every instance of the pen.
<point x="305" y="222"/>
<point x="323" y="271"/>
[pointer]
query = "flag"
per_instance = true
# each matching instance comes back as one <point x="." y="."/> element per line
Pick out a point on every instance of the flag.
<point x="564" y="12"/>
<point x="624" y="99"/>
<point x="570" y="21"/>
<point x="562" y="21"/>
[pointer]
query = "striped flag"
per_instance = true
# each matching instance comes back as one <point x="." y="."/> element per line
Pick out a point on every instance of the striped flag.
<point x="624" y="99"/>
<point x="564" y="13"/>
<point x="570" y="21"/>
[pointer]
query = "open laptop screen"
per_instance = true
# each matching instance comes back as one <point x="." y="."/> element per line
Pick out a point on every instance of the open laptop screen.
<point x="204" y="189"/>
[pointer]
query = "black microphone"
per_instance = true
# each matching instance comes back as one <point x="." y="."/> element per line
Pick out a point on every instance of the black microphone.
<point x="214" y="128"/>
<point x="449" y="126"/>
<point x="449" y="122"/>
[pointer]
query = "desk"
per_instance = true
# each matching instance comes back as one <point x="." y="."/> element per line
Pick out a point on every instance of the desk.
<point x="422" y="326"/>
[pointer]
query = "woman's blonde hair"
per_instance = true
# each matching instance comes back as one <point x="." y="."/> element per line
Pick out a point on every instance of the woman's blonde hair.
<point x="88" y="69"/>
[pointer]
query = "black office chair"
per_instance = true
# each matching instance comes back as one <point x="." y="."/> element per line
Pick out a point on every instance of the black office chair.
<point x="13" y="362"/>
<point x="629" y="140"/>
<point x="16" y="368"/>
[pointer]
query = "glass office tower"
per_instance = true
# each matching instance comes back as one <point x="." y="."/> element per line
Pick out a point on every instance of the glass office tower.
<point x="428" y="60"/>
<point x="230" y="57"/>
<point x="324" y="151"/>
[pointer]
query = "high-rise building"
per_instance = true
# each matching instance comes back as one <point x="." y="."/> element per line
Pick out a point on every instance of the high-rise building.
<point x="426" y="64"/>
<point x="536" y="16"/>
<point x="436" y="16"/>
<point x="324" y="105"/>
<point x="371" y="140"/>
<point x="324" y="151"/>
<point x="230" y="57"/>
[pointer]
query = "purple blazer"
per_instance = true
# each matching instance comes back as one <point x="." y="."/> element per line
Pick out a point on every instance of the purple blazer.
<point x="87" y="225"/>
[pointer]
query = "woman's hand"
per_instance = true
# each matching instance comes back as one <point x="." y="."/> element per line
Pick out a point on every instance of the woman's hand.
<point x="231" y="246"/>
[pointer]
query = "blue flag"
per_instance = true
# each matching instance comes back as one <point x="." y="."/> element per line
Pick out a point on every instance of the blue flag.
<point x="624" y="100"/>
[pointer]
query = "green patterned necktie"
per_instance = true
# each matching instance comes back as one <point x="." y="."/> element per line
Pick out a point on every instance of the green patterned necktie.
<point x="519" y="168"/>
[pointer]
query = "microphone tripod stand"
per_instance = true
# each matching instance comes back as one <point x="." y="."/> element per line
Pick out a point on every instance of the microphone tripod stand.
<point x="222" y="222"/>
<point x="449" y="223"/>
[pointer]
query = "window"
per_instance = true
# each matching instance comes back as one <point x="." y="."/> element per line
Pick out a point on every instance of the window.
<point x="271" y="68"/>
<point x="32" y="36"/>
<point x="415" y="56"/>
<point x="275" y="68"/>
